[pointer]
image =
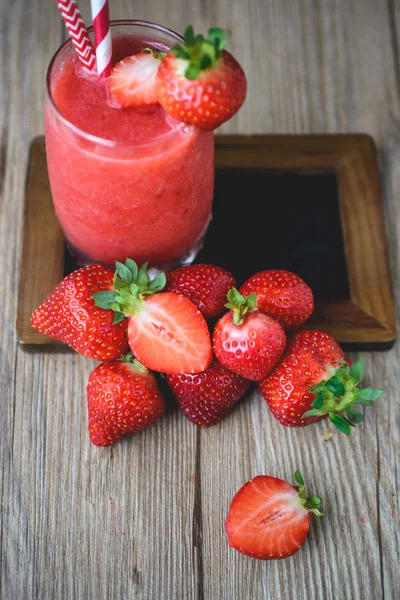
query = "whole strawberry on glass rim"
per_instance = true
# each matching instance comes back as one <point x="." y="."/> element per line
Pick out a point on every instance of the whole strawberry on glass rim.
<point x="246" y="341"/>
<point x="269" y="518"/>
<point x="166" y="332"/>
<point x="123" y="397"/>
<point x="199" y="82"/>
<point x="314" y="380"/>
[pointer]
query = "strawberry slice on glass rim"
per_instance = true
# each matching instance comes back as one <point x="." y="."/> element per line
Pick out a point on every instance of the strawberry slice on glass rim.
<point x="133" y="79"/>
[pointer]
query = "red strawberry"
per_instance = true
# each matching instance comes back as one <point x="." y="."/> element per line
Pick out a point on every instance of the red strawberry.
<point x="246" y="341"/>
<point x="199" y="82"/>
<point x="269" y="518"/>
<point x="315" y="380"/>
<point x="166" y="332"/>
<point x="281" y="295"/>
<point x="207" y="397"/>
<point x="133" y="79"/>
<point x="123" y="397"/>
<point x="205" y="285"/>
<point x="70" y="315"/>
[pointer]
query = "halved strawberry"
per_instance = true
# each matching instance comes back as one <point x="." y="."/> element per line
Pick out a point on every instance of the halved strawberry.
<point x="166" y="332"/>
<point x="170" y="334"/>
<point x="269" y="518"/>
<point x="133" y="79"/>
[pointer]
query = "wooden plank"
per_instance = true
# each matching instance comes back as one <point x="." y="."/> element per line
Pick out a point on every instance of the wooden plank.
<point x="144" y="520"/>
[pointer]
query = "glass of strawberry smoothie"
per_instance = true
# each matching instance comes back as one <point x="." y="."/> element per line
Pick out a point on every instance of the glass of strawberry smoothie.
<point x="129" y="182"/>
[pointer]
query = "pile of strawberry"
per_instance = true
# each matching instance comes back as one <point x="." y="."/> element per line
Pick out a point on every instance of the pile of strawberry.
<point x="127" y="322"/>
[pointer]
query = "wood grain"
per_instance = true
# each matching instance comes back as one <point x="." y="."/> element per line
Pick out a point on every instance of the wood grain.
<point x="145" y="519"/>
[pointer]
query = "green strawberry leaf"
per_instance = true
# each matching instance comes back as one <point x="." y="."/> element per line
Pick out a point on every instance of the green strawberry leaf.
<point x="104" y="299"/>
<point x="313" y="502"/>
<point x="118" y="318"/>
<point x="230" y="306"/>
<point x="216" y="35"/>
<point x="299" y="478"/>
<point x="180" y="52"/>
<point x="205" y="62"/>
<point x="238" y="298"/>
<point x="143" y="278"/>
<point x="319" y="400"/>
<point x="357" y="370"/>
<point x="189" y="35"/>
<point x="158" y="283"/>
<point x="335" y="386"/>
<point x="368" y="395"/>
<point x="132" y="266"/>
<point x="192" y="72"/>
<point x="354" y="415"/>
<point x="118" y="284"/>
<point x="123" y="272"/>
<point x="134" y="289"/>
<point x="314" y="412"/>
<point x="318" y="387"/>
<point x="252" y="301"/>
<point x="340" y="423"/>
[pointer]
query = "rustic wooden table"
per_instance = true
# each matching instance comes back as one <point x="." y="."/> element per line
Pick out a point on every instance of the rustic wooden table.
<point x="145" y="518"/>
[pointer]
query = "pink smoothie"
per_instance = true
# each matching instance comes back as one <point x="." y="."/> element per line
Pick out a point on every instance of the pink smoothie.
<point x="144" y="190"/>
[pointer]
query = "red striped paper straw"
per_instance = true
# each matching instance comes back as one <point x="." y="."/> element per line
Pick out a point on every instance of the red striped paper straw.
<point x="78" y="32"/>
<point x="102" y="37"/>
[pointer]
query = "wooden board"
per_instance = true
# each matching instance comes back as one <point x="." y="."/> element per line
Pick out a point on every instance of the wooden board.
<point x="366" y="318"/>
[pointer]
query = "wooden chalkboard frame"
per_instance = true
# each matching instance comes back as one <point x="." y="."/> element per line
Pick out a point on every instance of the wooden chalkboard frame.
<point x="366" y="320"/>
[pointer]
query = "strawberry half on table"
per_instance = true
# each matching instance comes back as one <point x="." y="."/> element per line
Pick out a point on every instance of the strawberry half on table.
<point x="123" y="397"/>
<point x="245" y="341"/>
<point x="281" y="295"/>
<point x="207" y="397"/>
<point x="314" y="380"/>
<point x="269" y="518"/>
<point x="166" y="331"/>
<point x="199" y="82"/>
<point x="205" y="285"/>
<point x="70" y="315"/>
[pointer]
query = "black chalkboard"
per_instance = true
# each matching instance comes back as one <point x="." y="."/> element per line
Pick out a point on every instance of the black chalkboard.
<point x="268" y="220"/>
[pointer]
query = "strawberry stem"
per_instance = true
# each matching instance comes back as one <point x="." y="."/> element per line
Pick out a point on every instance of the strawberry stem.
<point x="309" y="503"/>
<point x="199" y="52"/>
<point x="240" y="305"/>
<point x="131" y="286"/>
<point x="337" y="396"/>
<point x="158" y="54"/>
